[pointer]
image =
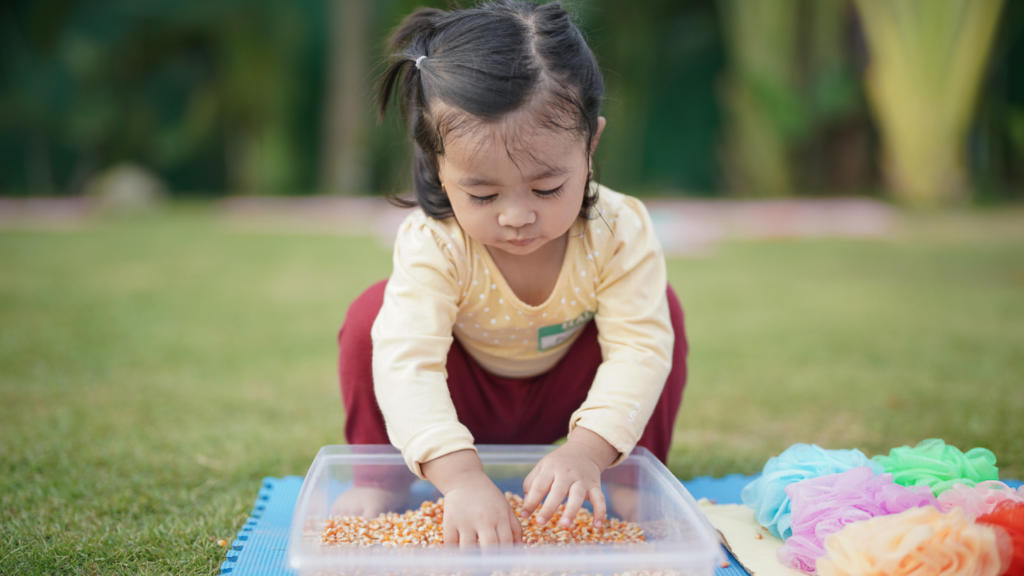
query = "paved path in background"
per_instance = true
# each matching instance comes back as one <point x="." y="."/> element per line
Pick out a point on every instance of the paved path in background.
<point x="685" y="226"/>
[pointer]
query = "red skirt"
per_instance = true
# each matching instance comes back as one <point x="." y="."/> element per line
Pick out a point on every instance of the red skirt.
<point x="498" y="410"/>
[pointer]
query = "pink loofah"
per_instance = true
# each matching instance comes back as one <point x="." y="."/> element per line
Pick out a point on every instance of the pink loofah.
<point x="824" y="505"/>
<point x="917" y="542"/>
<point x="979" y="500"/>
<point x="767" y="494"/>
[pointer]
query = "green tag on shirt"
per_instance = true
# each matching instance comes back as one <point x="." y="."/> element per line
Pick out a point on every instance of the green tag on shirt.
<point x="549" y="337"/>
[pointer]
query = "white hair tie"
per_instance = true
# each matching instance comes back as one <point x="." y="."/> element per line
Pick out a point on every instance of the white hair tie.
<point x="418" y="60"/>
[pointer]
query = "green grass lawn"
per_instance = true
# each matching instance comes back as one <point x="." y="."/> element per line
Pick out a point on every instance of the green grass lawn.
<point x="153" y="370"/>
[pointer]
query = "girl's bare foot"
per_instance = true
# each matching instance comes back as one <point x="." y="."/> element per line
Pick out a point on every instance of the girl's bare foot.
<point x="623" y="500"/>
<point x="368" y="501"/>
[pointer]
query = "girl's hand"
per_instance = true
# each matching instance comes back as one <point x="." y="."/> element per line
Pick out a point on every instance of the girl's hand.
<point x="573" y="470"/>
<point x="475" y="511"/>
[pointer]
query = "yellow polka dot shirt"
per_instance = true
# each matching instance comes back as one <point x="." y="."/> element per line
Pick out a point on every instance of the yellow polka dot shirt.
<point x="445" y="285"/>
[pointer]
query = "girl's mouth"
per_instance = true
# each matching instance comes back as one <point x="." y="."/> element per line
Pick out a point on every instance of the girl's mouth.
<point x="523" y="242"/>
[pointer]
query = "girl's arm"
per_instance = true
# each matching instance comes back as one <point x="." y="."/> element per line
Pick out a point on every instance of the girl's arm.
<point x="636" y="338"/>
<point x="411" y="338"/>
<point x="634" y="331"/>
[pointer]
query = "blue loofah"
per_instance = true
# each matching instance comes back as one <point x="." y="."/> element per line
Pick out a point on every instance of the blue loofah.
<point x="767" y="495"/>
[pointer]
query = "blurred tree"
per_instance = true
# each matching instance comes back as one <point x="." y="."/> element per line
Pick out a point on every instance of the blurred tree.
<point x="996" y="145"/>
<point x="660" y="59"/>
<point x="33" y="90"/>
<point x="273" y="96"/>
<point x="203" y="91"/>
<point x="257" y="52"/>
<point x="761" y="94"/>
<point x="927" y="61"/>
<point x="790" y="81"/>
<point x="343" y="153"/>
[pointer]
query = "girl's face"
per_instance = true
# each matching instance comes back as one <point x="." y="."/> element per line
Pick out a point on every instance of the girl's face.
<point x="516" y="191"/>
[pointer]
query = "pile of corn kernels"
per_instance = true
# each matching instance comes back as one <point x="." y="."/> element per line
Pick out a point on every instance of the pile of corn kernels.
<point x="423" y="527"/>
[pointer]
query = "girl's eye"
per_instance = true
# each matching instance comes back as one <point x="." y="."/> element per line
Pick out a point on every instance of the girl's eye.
<point x="548" y="193"/>
<point x="482" y="199"/>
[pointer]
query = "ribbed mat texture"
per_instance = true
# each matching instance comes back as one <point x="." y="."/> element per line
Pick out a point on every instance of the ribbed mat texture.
<point x="260" y="546"/>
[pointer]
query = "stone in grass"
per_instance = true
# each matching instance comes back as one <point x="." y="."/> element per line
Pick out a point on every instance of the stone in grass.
<point x="126" y="188"/>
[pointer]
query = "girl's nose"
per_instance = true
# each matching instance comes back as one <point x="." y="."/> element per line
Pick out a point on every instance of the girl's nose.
<point x="517" y="215"/>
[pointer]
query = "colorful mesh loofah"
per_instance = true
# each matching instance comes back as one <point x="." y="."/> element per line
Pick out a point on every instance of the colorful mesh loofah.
<point x="767" y="495"/>
<point x="1009" y="516"/>
<point x="935" y="464"/>
<point x="918" y="542"/>
<point x="982" y="498"/>
<point x="824" y="505"/>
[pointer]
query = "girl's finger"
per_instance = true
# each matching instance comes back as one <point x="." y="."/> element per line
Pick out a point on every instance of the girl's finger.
<point x="488" y="537"/>
<point x="528" y="481"/>
<point x="577" y="494"/>
<point x="505" y="530"/>
<point x="596" y="497"/>
<point x="558" y="491"/>
<point x="467" y="538"/>
<point x="538" y="489"/>
<point x="516" y="527"/>
<point x="451" y="535"/>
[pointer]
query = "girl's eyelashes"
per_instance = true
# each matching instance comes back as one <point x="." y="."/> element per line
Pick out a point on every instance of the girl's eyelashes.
<point x="481" y="199"/>
<point x="549" y="193"/>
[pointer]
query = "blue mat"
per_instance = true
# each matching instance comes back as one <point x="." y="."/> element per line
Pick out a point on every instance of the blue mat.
<point x="261" y="545"/>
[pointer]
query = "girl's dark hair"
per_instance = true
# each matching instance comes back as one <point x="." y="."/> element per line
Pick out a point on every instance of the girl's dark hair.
<point x="487" y="61"/>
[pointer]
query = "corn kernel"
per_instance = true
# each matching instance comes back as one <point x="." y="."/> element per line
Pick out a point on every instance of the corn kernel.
<point x="423" y="527"/>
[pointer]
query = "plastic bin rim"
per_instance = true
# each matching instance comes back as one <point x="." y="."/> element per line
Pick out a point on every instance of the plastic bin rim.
<point x="709" y="547"/>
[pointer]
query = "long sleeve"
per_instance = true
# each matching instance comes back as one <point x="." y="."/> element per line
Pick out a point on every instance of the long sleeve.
<point x="445" y="285"/>
<point x="634" y="330"/>
<point x="411" y="339"/>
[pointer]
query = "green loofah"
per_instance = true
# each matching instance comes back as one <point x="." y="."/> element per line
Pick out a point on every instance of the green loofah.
<point x="937" y="465"/>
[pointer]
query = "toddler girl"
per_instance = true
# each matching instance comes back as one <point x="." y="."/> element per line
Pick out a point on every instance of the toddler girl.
<point x="526" y="301"/>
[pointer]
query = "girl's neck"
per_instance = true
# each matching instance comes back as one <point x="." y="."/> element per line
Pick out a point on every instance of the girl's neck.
<point x="532" y="277"/>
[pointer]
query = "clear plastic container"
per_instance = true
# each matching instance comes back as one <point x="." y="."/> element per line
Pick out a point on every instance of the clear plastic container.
<point x="679" y="538"/>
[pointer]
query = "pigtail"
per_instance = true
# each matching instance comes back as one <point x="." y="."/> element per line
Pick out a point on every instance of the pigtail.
<point x="418" y="23"/>
<point x="407" y="44"/>
<point x="403" y="81"/>
<point x="386" y="86"/>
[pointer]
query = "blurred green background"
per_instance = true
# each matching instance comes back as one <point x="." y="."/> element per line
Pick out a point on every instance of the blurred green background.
<point x="156" y="364"/>
<point x="704" y="97"/>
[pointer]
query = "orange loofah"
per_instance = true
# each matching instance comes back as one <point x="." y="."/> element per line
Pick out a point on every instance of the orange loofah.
<point x="917" y="542"/>
<point x="1008" y="516"/>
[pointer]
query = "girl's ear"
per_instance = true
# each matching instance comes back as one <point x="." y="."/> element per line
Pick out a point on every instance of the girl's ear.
<point x="597" y="135"/>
